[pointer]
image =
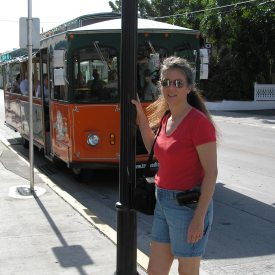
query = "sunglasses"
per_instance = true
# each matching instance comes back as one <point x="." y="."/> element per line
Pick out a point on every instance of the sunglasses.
<point x="168" y="83"/>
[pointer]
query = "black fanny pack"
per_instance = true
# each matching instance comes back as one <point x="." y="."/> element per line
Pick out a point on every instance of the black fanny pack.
<point x="188" y="197"/>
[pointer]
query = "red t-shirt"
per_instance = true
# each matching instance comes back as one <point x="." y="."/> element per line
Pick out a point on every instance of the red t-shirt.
<point x="179" y="164"/>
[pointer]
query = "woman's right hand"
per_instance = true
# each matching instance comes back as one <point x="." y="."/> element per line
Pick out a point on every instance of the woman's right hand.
<point x="141" y="117"/>
<point x="143" y="124"/>
<point x="138" y="105"/>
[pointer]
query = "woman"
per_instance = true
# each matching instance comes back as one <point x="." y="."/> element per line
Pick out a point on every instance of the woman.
<point x="186" y="151"/>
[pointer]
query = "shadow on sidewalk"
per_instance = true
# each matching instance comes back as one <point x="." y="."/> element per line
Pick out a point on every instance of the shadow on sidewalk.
<point x="68" y="256"/>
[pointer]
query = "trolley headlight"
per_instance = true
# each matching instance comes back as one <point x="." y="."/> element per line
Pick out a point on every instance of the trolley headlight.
<point x="93" y="140"/>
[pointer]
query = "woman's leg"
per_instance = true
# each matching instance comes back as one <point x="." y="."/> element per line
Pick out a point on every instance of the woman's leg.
<point x="161" y="259"/>
<point x="189" y="266"/>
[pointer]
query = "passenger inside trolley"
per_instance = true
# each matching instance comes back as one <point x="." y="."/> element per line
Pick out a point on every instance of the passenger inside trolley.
<point x="150" y="89"/>
<point x="112" y="79"/>
<point x="45" y="89"/>
<point x="16" y="85"/>
<point x="97" y="83"/>
<point x="24" y="85"/>
<point x="81" y="80"/>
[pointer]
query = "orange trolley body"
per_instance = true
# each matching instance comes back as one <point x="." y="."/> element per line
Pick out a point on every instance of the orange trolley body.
<point x="76" y="115"/>
<point x="73" y="124"/>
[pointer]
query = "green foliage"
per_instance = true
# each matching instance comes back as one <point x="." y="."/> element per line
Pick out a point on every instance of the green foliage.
<point x="249" y="38"/>
<point x="115" y="6"/>
<point x="224" y="82"/>
<point x="242" y="36"/>
<point x="144" y="7"/>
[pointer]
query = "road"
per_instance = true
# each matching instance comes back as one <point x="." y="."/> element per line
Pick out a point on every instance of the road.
<point x="243" y="237"/>
<point x="243" y="233"/>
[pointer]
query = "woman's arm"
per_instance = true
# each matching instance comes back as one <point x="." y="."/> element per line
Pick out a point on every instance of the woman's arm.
<point x="143" y="124"/>
<point x="208" y="158"/>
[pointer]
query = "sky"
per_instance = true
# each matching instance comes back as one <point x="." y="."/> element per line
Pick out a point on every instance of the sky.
<point x="50" y="12"/>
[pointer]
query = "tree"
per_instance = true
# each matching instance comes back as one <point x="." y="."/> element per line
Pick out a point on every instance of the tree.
<point x="242" y="35"/>
<point x="144" y="7"/>
<point x="248" y="36"/>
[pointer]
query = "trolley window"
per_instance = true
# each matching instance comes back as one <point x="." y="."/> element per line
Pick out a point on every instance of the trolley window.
<point x="96" y="75"/>
<point x="12" y="74"/>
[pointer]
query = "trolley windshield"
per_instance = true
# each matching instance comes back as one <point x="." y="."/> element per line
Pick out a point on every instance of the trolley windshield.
<point x="96" y="73"/>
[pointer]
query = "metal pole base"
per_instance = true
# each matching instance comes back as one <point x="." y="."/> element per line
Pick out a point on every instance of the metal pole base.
<point x="25" y="192"/>
<point x="126" y="241"/>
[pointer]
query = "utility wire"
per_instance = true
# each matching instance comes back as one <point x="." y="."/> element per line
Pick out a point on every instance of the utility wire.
<point x="179" y="14"/>
<point x="209" y="9"/>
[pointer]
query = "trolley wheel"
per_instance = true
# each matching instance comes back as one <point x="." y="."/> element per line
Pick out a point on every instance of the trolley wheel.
<point x="25" y="143"/>
<point x="82" y="175"/>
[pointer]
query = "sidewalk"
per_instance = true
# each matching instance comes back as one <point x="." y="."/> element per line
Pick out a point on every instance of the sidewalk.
<point x="45" y="235"/>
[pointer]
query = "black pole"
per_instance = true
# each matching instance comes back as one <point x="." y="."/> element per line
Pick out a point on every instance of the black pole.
<point x="126" y="215"/>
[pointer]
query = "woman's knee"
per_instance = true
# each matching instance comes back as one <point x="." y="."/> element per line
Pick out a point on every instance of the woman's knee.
<point x="189" y="266"/>
<point x="161" y="259"/>
<point x="159" y="267"/>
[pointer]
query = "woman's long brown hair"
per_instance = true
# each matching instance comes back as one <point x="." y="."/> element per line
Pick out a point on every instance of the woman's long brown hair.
<point x="157" y="109"/>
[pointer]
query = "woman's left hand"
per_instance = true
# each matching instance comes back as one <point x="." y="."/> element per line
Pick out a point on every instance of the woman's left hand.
<point x="195" y="230"/>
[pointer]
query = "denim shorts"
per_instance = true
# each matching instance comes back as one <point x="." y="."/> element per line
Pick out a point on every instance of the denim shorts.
<point x="171" y="223"/>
